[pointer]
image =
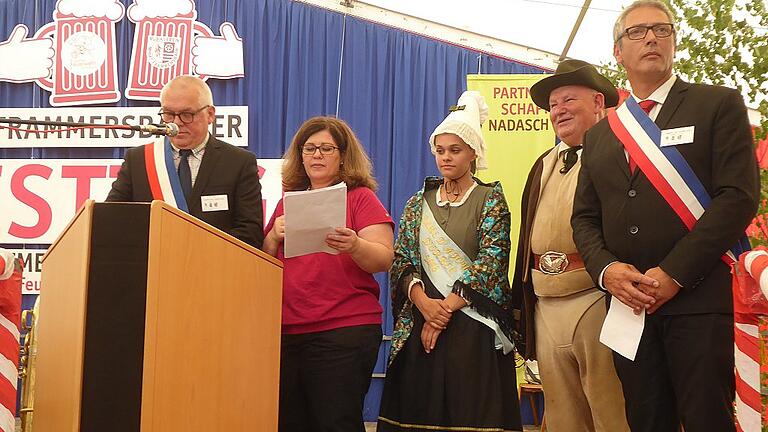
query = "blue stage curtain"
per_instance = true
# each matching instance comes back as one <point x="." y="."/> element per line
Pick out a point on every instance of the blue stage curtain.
<point x="393" y="87"/>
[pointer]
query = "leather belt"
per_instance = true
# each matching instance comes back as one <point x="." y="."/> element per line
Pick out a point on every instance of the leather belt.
<point x="553" y="263"/>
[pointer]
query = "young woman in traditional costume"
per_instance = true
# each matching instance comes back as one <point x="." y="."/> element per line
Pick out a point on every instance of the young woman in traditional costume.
<point x="451" y="364"/>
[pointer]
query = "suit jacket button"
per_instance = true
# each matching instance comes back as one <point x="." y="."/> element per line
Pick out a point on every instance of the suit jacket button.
<point x="632" y="193"/>
<point x="633" y="230"/>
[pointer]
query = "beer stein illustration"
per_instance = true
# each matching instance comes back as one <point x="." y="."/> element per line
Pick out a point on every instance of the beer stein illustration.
<point x="162" y="45"/>
<point x="85" y="65"/>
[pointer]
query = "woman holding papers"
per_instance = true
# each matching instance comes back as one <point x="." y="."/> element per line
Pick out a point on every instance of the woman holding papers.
<point x="331" y="312"/>
<point x="451" y="364"/>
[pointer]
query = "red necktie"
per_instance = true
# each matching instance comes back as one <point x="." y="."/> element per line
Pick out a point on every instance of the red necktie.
<point x="647" y="106"/>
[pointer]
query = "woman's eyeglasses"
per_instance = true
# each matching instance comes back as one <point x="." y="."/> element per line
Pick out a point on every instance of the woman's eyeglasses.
<point x="325" y="149"/>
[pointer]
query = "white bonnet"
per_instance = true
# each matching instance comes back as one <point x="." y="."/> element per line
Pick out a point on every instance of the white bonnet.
<point x="464" y="121"/>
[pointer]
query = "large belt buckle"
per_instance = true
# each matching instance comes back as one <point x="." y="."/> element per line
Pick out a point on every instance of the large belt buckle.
<point x="553" y="263"/>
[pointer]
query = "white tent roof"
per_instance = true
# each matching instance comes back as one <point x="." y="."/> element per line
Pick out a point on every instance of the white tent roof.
<point x="541" y="24"/>
<point x="529" y="31"/>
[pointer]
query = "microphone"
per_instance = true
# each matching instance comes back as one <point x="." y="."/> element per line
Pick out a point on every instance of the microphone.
<point x="167" y="129"/>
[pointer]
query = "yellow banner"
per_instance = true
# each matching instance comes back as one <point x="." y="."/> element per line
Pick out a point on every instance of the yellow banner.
<point x="516" y="133"/>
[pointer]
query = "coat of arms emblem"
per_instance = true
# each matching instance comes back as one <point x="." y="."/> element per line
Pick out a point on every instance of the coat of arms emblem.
<point x="163" y="51"/>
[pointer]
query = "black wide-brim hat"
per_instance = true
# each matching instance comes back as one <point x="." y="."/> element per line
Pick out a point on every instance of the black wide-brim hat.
<point x="574" y="72"/>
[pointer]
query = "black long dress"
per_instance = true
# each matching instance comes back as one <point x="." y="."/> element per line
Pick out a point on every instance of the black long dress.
<point x="464" y="384"/>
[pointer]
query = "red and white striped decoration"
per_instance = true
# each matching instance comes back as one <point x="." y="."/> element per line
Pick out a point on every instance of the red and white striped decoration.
<point x="747" y="356"/>
<point x="748" y="325"/>
<point x="755" y="262"/>
<point x="10" y="311"/>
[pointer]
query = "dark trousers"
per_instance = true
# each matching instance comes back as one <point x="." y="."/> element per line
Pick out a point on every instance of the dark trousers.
<point x="324" y="377"/>
<point x="682" y="374"/>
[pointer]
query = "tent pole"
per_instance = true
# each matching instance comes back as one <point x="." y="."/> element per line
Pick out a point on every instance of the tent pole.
<point x="575" y="30"/>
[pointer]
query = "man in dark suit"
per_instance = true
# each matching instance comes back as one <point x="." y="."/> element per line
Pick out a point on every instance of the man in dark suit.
<point x="220" y="181"/>
<point x="637" y="248"/>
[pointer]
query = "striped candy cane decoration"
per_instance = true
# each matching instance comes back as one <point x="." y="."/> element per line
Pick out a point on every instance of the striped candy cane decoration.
<point x="10" y="311"/>
<point x="747" y="331"/>
<point x="754" y="263"/>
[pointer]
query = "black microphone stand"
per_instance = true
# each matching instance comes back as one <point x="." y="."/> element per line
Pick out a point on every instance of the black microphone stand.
<point x="74" y="125"/>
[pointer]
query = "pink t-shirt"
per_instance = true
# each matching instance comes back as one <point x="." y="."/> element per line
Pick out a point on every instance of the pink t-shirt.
<point x="323" y="291"/>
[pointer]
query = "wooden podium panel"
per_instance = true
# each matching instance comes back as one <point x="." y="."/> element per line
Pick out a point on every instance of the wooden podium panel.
<point x="152" y="320"/>
<point x="211" y="359"/>
<point x="60" y="357"/>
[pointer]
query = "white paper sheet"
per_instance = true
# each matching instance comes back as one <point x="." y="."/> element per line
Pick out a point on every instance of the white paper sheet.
<point x="310" y="216"/>
<point x="622" y="329"/>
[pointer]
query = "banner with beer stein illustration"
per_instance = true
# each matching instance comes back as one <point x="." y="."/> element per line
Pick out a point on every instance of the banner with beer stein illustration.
<point x="85" y="64"/>
<point x="163" y="47"/>
<point x="74" y="57"/>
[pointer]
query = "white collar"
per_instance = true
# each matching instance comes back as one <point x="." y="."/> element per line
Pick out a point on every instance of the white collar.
<point x="660" y="94"/>
<point x="197" y="149"/>
<point x="454" y="204"/>
<point x="562" y="146"/>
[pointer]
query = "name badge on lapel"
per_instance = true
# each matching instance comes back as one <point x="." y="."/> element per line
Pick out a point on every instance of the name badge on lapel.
<point x="677" y="136"/>
<point x="214" y="203"/>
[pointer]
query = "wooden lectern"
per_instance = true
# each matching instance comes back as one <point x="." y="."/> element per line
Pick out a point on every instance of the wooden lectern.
<point x="153" y="321"/>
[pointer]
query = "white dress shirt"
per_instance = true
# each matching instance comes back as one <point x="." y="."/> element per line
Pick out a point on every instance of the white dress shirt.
<point x="194" y="160"/>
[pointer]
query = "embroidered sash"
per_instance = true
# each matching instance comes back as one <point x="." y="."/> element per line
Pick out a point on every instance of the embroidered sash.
<point x="666" y="169"/>
<point x="444" y="262"/>
<point x="162" y="175"/>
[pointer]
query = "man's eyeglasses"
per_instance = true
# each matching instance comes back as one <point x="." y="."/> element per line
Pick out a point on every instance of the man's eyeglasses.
<point x="325" y="149"/>
<point x="638" y="32"/>
<point x="184" y="116"/>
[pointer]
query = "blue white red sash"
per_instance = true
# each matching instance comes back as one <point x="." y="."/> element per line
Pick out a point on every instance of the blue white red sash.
<point x="665" y="168"/>
<point x="162" y="175"/>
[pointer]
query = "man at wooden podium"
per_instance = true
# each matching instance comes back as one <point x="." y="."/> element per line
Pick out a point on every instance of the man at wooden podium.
<point x="208" y="178"/>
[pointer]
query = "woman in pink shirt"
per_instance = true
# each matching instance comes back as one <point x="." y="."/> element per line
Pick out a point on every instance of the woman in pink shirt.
<point x="331" y="327"/>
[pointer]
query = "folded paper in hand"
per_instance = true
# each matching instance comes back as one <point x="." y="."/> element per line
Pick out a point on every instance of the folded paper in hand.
<point x="622" y="329"/>
<point x="310" y="216"/>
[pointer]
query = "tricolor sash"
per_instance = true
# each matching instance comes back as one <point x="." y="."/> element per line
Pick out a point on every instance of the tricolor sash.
<point x="666" y="169"/>
<point x="444" y="262"/>
<point x="163" y="176"/>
